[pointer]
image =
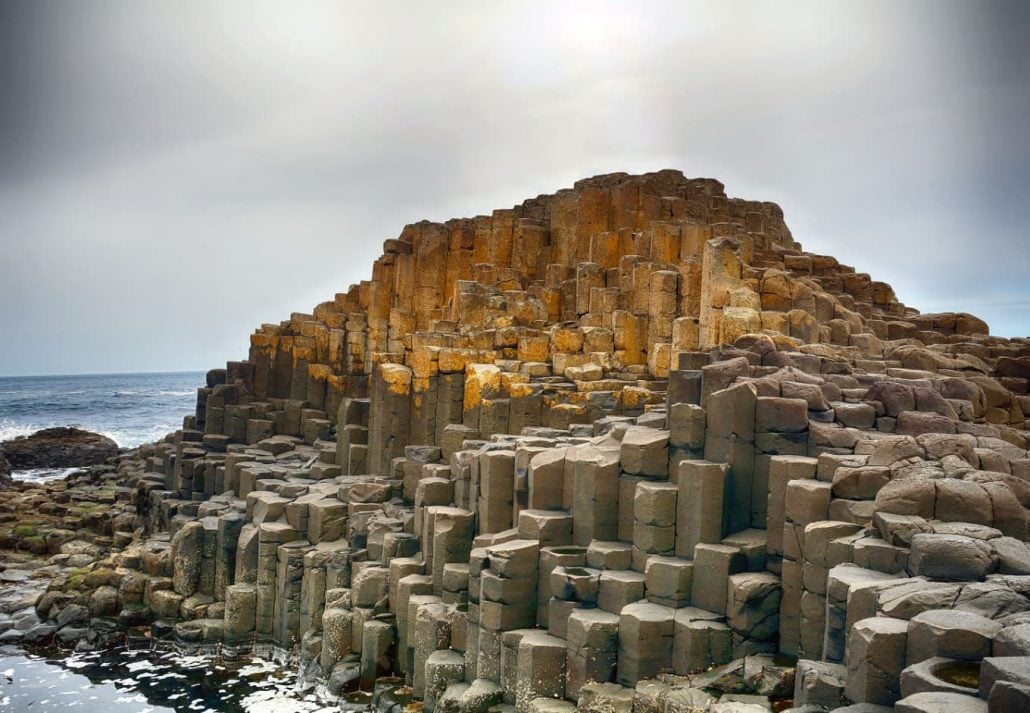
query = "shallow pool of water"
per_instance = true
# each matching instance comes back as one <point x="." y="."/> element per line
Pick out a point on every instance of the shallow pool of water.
<point x="139" y="681"/>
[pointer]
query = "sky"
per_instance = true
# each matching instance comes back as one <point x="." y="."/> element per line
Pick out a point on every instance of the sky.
<point x="173" y="174"/>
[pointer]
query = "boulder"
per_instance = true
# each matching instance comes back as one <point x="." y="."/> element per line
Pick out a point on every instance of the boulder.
<point x="819" y="683"/>
<point x="1013" y="555"/>
<point x="951" y="557"/>
<point x="907" y="497"/>
<point x="58" y="448"/>
<point x="1014" y="367"/>
<point x="893" y="449"/>
<point x="962" y="501"/>
<point x="875" y="658"/>
<point x="895" y="397"/>
<point x="73" y="615"/>
<point x="1008" y="696"/>
<point x="916" y="423"/>
<point x="1013" y="641"/>
<point x="913" y="597"/>
<point x="994" y="669"/>
<point x="993" y="599"/>
<point x="104" y="602"/>
<point x="949" y="633"/>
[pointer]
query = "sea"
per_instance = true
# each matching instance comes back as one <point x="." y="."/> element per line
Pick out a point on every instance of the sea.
<point x="131" y="409"/>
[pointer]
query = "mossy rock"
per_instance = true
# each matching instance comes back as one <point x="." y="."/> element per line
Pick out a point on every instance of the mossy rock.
<point x="102" y="576"/>
<point x="56" y="538"/>
<point x="36" y="545"/>
<point x="23" y="531"/>
<point x="75" y="579"/>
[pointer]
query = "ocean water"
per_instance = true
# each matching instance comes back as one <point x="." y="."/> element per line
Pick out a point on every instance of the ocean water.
<point x="132" y="409"/>
<point x="145" y="681"/>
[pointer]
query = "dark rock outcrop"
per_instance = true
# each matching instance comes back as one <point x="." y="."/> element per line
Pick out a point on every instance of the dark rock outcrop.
<point x="60" y="447"/>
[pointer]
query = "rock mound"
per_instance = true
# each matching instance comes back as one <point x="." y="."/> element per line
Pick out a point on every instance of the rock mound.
<point x="60" y="447"/>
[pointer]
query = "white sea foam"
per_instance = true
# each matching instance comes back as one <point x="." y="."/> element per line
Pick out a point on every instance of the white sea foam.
<point x="131" y="438"/>
<point x="125" y="438"/>
<point x="9" y="429"/>
<point x="181" y="393"/>
<point x="43" y="475"/>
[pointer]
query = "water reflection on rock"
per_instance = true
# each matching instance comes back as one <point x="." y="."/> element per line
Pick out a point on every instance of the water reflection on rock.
<point x="155" y="682"/>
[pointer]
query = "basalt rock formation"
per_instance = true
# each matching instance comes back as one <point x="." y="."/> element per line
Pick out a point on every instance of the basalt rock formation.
<point x="61" y="447"/>
<point x="621" y="447"/>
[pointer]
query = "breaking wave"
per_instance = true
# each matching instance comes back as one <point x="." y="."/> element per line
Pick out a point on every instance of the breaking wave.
<point x="130" y="409"/>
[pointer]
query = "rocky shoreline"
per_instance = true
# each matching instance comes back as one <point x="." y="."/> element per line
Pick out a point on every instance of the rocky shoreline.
<point x="51" y="533"/>
<point x="60" y="447"/>
<point x="624" y="448"/>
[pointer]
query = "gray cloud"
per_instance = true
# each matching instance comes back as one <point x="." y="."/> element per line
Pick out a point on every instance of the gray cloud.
<point x="172" y="174"/>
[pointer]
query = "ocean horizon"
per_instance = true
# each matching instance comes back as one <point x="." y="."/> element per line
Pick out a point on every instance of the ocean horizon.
<point x="130" y="408"/>
<point x="160" y="372"/>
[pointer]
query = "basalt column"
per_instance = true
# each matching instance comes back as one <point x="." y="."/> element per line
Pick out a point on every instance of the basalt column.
<point x="390" y="417"/>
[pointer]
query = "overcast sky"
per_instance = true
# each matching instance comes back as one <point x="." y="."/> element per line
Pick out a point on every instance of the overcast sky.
<point x="173" y="174"/>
